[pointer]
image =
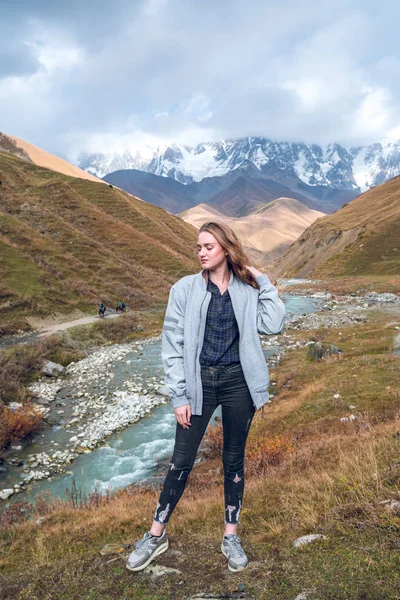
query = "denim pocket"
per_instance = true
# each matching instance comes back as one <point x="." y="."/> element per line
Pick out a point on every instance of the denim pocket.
<point x="234" y="369"/>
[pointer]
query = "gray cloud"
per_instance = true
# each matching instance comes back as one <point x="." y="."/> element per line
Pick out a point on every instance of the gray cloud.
<point x="82" y="75"/>
<point x="18" y="60"/>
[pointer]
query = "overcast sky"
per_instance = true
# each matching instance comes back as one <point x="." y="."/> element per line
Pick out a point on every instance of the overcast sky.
<point x="96" y="75"/>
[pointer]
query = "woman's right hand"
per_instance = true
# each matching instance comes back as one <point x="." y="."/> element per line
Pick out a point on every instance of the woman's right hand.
<point x="183" y="414"/>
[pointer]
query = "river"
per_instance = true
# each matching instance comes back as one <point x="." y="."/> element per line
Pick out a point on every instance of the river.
<point x="127" y="456"/>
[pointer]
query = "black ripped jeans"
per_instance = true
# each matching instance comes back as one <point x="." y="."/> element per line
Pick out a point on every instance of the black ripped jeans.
<point x="223" y="385"/>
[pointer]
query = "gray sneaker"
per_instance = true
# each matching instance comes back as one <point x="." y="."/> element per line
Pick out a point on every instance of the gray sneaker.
<point x="233" y="551"/>
<point x="145" y="550"/>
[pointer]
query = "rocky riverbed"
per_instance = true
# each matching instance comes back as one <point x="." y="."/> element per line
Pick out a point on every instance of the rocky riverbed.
<point x="339" y="311"/>
<point x="89" y="410"/>
<point x="88" y="406"/>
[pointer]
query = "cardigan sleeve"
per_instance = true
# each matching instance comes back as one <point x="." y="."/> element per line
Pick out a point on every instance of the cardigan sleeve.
<point x="172" y="350"/>
<point x="271" y="310"/>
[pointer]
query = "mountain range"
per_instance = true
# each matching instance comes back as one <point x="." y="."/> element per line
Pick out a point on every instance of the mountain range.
<point x="234" y="194"/>
<point x="269" y="229"/>
<point x="323" y="177"/>
<point x="67" y="241"/>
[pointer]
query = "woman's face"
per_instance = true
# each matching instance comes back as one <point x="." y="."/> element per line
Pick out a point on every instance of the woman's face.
<point x="211" y="253"/>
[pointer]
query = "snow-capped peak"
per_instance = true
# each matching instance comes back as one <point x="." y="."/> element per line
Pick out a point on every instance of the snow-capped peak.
<point x="332" y="166"/>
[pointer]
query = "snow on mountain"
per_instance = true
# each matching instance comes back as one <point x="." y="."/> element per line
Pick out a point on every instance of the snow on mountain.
<point x="189" y="164"/>
<point x="333" y="166"/>
<point x="101" y="164"/>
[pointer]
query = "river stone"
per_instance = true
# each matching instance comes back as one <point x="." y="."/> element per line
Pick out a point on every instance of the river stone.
<point x="385" y="297"/>
<point x="307" y="539"/>
<point x="52" y="369"/>
<point x="4" y="494"/>
<point x="43" y="401"/>
<point x="318" y="350"/>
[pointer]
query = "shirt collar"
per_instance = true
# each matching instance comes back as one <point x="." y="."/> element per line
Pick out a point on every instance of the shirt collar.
<point x="204" y="276"/>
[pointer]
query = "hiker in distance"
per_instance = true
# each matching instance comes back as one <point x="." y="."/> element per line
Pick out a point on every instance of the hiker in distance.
<point x="212" y="355"/>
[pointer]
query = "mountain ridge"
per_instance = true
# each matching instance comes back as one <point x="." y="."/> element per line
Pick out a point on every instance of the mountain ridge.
<point x="37" y="156"/>
<point x="361" y="238"/>
<point x="233" y="194"/>
<point x="356" y="168"/>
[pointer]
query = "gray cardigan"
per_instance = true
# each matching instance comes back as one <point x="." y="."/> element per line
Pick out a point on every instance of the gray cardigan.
<point x="256" y="311"/>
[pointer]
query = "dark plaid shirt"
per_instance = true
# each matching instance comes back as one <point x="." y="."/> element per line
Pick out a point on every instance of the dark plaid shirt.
<point x="221" y="337"/>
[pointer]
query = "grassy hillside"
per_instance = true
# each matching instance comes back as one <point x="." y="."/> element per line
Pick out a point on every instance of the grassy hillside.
<point x="68" y="243"/>
<point x="40" y="157"/>
<point x="361" y="238"/>
<point x="307" y="471"/>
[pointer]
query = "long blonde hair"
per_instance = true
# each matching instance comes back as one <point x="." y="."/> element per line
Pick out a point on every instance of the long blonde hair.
<point x="237" y="257"/>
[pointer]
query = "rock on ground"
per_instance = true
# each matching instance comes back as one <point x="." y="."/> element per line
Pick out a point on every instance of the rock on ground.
<point x="157" y="572"/>
<point x="307" y="539"/>
<point x="318" y="350"/>
<point x="4" y="494"/>
<point x="52" y="369"/>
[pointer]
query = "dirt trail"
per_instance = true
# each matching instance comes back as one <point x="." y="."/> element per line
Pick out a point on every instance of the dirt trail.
<point x="13" y="340"/>
<point x="69" y="324"/>
<point x="46" y="330"/>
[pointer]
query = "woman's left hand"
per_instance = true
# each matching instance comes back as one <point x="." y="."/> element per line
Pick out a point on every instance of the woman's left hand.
<point x="253" y="271"/>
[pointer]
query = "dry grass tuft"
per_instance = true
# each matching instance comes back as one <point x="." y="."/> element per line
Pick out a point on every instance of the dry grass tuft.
<point x="21" y="364"/>
<point x="19" y="423"/>
<point x="213" y="442"/>
<point x="261" y="454"/>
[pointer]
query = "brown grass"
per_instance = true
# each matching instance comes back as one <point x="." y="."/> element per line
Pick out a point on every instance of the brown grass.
<point x="358" y="239"/>
<point x="318" y="475"/>
<point x="19" y="423"/>
<point x="213" y="441"/>
<point x="120" y="330"/>
<point x="261" y="453"/>
<point x="20" y="364"/>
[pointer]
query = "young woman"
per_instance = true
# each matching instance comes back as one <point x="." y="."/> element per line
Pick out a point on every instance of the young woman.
<point x="212" y="356"/>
